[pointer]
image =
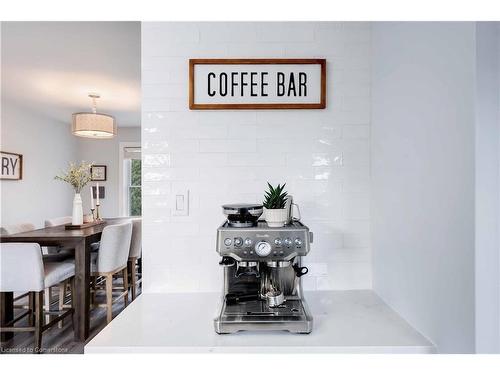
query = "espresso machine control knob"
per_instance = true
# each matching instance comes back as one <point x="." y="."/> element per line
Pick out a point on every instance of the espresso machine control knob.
<point x="263" y="249"/>
<point x="277" y="241"/>
<point x="288" y="242"/>
<point x="248" y="241"/>
<point x="238" y="241"/>
<point x="227" y="242"/>
<point x="298" y="242"/>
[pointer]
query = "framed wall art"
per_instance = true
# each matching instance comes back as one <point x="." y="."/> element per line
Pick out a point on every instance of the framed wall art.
<point x="257" y="84"/>
<point x="11" y="165"/>
<point x="98" y="172"/>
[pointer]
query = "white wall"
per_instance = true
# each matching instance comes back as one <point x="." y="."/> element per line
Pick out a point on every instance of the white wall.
<point x="423" y="176"/>
<point x="46" y="76"/>
<point x="227" y="156"/>
<point x="487" y="189"/>
<point x="106" y="152"/>
<point x="47" y="146"/>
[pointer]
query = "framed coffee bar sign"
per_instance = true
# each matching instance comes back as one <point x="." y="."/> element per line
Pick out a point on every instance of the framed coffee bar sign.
<point x="12" y="166"/>
<point x="257" y="83"/>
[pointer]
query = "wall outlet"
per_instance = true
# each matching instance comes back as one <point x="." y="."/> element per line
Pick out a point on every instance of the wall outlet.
<point x="180" y="205"/>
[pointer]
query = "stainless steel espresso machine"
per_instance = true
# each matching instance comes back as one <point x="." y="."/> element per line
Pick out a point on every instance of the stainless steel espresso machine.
<point x="262" y="273"/>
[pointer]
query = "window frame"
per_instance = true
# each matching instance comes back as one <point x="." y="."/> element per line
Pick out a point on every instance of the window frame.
<point x="124" y="177"/>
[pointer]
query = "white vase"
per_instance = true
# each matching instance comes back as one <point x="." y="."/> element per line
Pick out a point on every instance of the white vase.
<point x="276" y="218"/>
<point x="77" y="218"/>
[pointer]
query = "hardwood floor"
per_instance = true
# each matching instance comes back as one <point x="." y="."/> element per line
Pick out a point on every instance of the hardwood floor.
<point x="60" y="340"/>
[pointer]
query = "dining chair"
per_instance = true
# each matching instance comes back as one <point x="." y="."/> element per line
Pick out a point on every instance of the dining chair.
<point x="111" y="259"/>
<point x="117" y="219"/>
<point x="17" y="228"/>
<point x="54" y="222"/>
<point x="48" y="255"/>
<point x="22" y="269"/>
<point x="135" y="255"/>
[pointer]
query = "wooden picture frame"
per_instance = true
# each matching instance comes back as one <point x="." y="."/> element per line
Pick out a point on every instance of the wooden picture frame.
<point x="11" y="160"/>
<point x="98" y="173"/>
<point x="321" y="104"/>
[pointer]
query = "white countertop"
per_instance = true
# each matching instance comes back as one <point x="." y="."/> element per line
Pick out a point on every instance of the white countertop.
<point x="344" y="322"/>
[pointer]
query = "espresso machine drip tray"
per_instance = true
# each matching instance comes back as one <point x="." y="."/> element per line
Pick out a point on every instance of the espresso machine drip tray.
<point x="291" y="316"/>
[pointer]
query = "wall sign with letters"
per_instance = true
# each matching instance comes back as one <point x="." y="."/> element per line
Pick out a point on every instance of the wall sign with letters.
<point x="257" y="83"/>
<point x="11" y="165"/>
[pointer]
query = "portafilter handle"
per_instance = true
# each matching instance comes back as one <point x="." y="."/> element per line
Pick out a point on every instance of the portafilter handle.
<point x="300" y="271"/>
<point x="227" y="261"/>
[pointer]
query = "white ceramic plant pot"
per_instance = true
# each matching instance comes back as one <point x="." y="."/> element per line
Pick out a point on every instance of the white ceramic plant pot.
<point x="276" y="218"/>
<point x="77" y="218"/>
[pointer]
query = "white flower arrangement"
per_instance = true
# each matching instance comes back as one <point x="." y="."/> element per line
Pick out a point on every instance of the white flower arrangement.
<point x="77" y="175"/>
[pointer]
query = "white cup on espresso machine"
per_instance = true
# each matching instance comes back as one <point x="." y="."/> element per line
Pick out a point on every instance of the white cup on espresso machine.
<point x="289" y="206"/>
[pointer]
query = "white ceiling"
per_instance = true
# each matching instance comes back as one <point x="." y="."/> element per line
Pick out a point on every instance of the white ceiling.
<point x="50" y="67"/>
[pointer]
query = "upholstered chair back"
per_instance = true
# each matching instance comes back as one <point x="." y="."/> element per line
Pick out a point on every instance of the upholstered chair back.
<point x="57" y="221"/>
<point x="17" y="228"/>
<point x="114" y="247"/>
<point x="21" y="267"/>
<point x="136" y="242"/>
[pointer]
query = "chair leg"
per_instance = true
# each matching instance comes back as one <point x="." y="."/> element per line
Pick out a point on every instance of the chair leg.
<point x="38" y="322"/>
<point x="62" y="294"/>
<point x="109" y="298"/>
<point x="72" y="291"/>
<point x="133" y="278"/>
<point x="48" y="298"/>
<point x="31" y="307"/>
<point x="125" y="285"/>
<point x="92" y="290"/>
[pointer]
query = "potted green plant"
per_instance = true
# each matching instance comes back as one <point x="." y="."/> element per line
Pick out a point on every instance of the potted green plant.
<point x="274" y="203"/>
<point x="77" y="176"/>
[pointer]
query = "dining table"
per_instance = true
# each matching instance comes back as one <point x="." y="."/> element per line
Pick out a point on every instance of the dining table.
<point x="80" y="241"/>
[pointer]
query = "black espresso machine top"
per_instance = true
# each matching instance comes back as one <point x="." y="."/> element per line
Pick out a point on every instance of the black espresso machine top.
<point x="242" y="215"/>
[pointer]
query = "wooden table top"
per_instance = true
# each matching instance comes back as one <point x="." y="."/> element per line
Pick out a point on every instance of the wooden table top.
<point x="59" y="232"/>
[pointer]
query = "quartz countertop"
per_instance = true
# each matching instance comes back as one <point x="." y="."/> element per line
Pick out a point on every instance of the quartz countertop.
<point x="356" y="321"/>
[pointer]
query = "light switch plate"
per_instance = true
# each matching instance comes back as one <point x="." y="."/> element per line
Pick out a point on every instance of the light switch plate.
<point x="180" y="206"/>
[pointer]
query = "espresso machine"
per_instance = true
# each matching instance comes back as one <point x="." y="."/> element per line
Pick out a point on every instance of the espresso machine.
<point x="262" y="273"/>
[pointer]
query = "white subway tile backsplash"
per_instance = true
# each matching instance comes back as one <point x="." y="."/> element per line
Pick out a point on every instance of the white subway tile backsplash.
<point x="227" y="145"/>
<point x="165" y="146"/>
<point x="356" y="206"/>
<point x="252" y="50"/>
<point x="187" y="50"/>
<point x="230" y="118"/>
<point x="167" y="90"/>
<point x="241" y="131"/>
<point x="254" y="159"/>
<point x="285" y="32"/>
<point x="355" y="131"/>
<point x="198" y="159"/>
<point x="229" y="156"/>
<point x="356" y="152"/>
<point x="356" y="103"/>
<point x="221" y="173"/>
<point x="172" y="32"/>
<point x="156" y="160"/>
<point x="314" y="159"/>
<point x="358" y="50"/>
<point x="356" y="76"/>
<point x="350" y="275"/>
<point x="193" y="131"/>
<point x="223" y="32"/>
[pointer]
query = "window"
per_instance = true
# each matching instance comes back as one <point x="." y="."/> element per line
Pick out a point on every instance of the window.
<point x="134" y="188"/>
<point x="130" y="177"/>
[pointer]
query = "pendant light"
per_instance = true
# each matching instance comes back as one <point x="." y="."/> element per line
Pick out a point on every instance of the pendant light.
<point x="93" y="124"/>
